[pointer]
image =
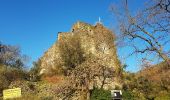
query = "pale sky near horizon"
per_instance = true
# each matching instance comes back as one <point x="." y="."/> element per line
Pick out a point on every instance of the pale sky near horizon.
<point x="34" y="24"/>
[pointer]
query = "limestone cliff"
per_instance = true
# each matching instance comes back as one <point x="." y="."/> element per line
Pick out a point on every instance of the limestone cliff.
<point x="95" y="40"/>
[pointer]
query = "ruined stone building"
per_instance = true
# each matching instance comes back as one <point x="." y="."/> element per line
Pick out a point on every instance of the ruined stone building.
<point x="94" y="40"/>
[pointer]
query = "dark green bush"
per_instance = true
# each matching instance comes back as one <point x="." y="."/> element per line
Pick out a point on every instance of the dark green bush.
<point x="100" y="94"/>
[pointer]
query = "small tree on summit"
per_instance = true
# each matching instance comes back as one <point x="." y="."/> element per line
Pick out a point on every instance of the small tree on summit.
<point x="71" y="51"/>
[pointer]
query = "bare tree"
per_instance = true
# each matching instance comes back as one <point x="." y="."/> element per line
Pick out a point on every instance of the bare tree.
<point x="147" y="31"/>
<point x="84" y="78"/>
<point x="87" y="75"/>
<point x="11" y="56"/>
<point x="163" y="5"/>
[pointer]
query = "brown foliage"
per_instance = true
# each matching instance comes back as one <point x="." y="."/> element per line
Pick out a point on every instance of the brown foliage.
<point x="53" y="79"/>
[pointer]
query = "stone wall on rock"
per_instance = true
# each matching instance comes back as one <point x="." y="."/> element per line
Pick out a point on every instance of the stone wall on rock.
<point x="93" y="40"/>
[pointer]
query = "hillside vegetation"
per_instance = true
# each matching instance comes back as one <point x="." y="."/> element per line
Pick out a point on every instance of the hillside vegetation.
<point x="151" y="83"/>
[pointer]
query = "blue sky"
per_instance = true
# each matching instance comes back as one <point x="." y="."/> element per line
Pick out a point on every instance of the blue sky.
<point x="33" y="24"/>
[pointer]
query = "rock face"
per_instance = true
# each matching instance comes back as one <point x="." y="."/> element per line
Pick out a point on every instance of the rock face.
<point x="95" y="40"/>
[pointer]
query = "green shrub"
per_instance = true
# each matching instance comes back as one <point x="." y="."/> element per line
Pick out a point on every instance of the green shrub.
<point x="100" y="94"/>
<point x="163" y="95"/>
<point x="127" y="95"/>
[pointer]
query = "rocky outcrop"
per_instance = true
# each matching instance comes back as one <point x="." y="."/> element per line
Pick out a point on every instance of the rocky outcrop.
<point x="95" y="40"/>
